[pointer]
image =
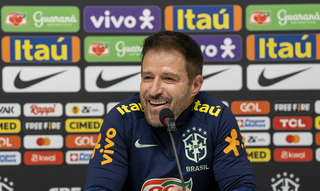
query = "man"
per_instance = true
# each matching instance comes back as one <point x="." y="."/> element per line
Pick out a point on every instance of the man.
<point x="133" y="151"/>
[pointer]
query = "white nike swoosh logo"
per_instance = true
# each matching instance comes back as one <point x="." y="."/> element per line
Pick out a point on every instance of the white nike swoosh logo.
<point x="139" y="146"/>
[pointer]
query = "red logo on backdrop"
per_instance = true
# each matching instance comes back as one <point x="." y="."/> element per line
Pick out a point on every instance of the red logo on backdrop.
<point x="292" y="155"/>
<point x="99" y="49"/>
<point x="43" y="157"/>
<point x="293" y="138"/>
<point x="16" y="19"/>
<point x="74" y="157"/>
<point x="240" y="123"/>
<point x="42" y="110"/>
<point x="260" y="17"/>
<point x="292" y="123"/>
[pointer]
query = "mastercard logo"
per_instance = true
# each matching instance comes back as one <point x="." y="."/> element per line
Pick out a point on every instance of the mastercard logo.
<point x="293" y="138"/>
<point x="43" y="141"/>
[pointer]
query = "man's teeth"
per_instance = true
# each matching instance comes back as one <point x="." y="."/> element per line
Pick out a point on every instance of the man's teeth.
<point x="158" y="102"/>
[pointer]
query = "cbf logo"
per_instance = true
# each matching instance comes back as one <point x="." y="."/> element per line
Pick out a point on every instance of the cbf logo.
<point x="195" y="144"/>
<point x="283" y="47"/>
<point x="5" y="184"/>
<point x="40" y="49"/>
<point x="285" y="182"/>
<point x="203" y="18"/>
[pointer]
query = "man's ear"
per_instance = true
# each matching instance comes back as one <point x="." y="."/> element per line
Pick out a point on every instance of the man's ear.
<point x="196" y="84"/>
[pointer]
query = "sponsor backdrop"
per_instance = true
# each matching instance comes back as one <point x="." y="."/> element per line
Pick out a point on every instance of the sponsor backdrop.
<point x="65" y="64"/>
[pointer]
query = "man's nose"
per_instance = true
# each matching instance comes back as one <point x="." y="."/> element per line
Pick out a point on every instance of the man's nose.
<point x="156" y="87"/>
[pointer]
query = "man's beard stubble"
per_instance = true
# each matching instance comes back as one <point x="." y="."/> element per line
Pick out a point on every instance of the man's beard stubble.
<point x="177" y="108"/>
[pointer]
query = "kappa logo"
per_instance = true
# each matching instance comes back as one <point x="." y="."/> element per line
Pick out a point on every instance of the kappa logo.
<point x="6" y="184"/>
<point x="195" y="144"/>
<point x="284" y="182"/>
<point x="164" y="184"/>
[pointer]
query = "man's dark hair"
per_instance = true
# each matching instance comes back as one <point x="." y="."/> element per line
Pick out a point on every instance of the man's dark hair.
<point x="172" y="40"/>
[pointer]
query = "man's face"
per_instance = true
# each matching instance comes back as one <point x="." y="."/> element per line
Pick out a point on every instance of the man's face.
<point x="164" y="84"/>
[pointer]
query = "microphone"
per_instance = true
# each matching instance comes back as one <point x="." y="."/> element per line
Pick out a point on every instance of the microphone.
<point x="166" y="117"/>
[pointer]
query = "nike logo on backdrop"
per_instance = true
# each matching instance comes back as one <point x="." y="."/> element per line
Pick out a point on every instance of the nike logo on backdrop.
<point x="140" y="146"/>
<point x="20" y="84"/>
<point x="263" y="81"/>
<point x="101" y="83"/>
<point x="209" y="75"/>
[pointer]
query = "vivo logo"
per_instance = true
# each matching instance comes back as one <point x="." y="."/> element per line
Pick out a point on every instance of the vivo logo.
<point x="122" y="19"/>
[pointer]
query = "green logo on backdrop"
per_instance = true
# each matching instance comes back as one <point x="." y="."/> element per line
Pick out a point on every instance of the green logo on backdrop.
<point x="283" y="17"/>
<point x="40" y="19"/>
<point x="113" y="48"/>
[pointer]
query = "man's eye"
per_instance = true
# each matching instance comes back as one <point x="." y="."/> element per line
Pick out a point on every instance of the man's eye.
<point x="147" y="77"/>
<point x="170" y="79"/>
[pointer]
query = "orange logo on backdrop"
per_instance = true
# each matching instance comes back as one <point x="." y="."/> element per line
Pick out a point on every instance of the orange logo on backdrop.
<point x="81" y="141"/>
<point x="10" y="142"/>
<point x="250" y="107"/>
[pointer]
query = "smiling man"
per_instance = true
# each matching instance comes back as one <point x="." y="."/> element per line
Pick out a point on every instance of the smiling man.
<point x="133" y="151"/>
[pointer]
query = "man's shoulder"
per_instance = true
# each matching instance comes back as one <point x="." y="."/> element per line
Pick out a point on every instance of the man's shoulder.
<point x="205" y="104"/>
<point x="130" y="107"/>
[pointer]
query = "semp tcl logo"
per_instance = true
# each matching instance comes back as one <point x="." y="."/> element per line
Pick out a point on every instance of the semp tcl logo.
<point x="81" y="141"/>
<point x="65" y="189"/>
<point x="292" y="107"/>
<point x="250" y="107"/>
<point x="84" y="109"/>
<point x="78" y="156"/>
<point x="10" y="110"/>
<point x="292" y="123"/>
<point x="42" y="109"/>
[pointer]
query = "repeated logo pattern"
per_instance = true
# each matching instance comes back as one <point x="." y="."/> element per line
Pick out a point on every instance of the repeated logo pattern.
<point x="75" y="62"/>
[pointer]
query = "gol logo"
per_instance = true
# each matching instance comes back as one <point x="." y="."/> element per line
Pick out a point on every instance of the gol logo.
<point x="293" y="138"/>
<point x="81" y="141"/>
<point x="10" y="142"/>
<point x="250" y="107"/>
<point x="99" y="49"/>
<point x="16" y="19"/>
<point x="43" y="141"/>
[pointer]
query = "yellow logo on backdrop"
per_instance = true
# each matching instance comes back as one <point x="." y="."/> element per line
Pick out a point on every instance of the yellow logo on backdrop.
<point x="10" y="126"/>
<point x="90" y="125"/>
<point x="317" y="122"/>
<point x="259" y="154"/>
